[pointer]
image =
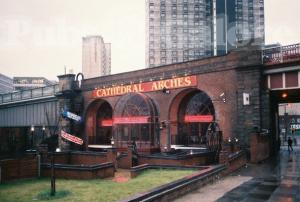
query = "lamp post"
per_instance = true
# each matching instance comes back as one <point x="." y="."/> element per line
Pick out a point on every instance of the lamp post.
<point x="112" y="141"/>
<point x="44" y="128"/>
<point x="32" y="130"/>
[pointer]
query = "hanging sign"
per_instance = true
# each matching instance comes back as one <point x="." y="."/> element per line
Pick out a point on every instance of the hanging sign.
<point x="71" y="115"/>
<point x="198" y="118"/>
<point x="71" y="138"/>
<point x="179" y="82"/>
<point x="131" y="120"/>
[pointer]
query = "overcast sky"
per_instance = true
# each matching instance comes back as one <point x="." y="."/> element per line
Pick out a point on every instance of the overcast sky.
<point x="40" y="37"/>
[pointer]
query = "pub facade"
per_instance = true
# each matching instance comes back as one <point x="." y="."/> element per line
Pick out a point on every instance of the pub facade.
<point x="178" y="104"/>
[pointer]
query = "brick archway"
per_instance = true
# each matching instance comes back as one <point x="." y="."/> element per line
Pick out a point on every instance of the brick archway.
<point x="93" y="118"/>
<point x="190" y="113"/>
<point x="136" y="118"/>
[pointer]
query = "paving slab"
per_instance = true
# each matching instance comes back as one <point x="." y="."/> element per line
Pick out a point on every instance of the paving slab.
<point x="275" y="180"/>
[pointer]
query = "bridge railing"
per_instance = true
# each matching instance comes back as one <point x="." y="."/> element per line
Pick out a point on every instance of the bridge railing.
<point x="281" y="54"/>
<point x="29" y="94"/>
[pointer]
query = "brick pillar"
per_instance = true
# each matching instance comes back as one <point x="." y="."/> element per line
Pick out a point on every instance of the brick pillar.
<point x="129" y="157"/>
<point x="65" y="97"/>
<point x="112" y="156"/>
<point x="223" y="157"/>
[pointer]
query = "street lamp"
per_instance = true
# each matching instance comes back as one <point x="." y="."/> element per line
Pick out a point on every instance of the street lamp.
<point x="32" y="130"/>
<point x="44" y="128"/>
<point x="112" y="141"/>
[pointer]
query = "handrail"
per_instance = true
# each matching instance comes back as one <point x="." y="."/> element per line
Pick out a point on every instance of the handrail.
<point x="281" y="54"/>
<point x="29" y="94"/>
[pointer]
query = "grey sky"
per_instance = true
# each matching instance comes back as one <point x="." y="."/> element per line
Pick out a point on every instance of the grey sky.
<point x="39" y="37"/>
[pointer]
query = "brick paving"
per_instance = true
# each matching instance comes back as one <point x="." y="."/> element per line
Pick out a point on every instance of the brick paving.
<point x="275" y="180"/>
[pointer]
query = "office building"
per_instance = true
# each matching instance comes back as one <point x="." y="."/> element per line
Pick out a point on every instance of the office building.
<point x="96" y="57"/>
<point x="183" y="30"/>
<point x="6" y="84"/>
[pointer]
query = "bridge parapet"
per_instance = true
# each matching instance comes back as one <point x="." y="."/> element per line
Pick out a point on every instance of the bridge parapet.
<point x="281" y="54"/>
<point x="29" y="94"/>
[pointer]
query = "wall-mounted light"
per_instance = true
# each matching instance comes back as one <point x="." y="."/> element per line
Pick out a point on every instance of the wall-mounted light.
<point x="112" y="141"/>
<point x="32" y="130"/>
<point x="284" y="95"/>
<point x="165" y="90"/>
<point x="223" y="97"/>
<point x="162" y="125"/>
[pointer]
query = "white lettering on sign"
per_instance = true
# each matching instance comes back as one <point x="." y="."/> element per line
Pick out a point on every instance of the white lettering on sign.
<point x="71" y="115"/>
<point x="295" y="126"/>
<point x="71" y="138"/>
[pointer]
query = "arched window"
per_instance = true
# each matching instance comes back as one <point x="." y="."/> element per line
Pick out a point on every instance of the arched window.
<point x="195" y="113"/>
<point x="135" y="119"/>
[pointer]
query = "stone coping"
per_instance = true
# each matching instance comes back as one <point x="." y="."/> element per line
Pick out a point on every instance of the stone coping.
<point x="178" y="156"/>
<point x="91" y="153"/>
<point x="122" y="155"/>
<point x="177" y="186"/>
<point x="236" y="155"/>
<point x="150" y="166"/>
<point x="79" y="167"/>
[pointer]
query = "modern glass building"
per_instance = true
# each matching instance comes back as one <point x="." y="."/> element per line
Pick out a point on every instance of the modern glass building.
<point x="96" y="57"/>
<point x="183" y="30"/>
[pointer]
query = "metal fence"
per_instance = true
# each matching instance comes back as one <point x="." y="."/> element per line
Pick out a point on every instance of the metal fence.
<point x="29" y="94"/>
<point x="281" y="54"/>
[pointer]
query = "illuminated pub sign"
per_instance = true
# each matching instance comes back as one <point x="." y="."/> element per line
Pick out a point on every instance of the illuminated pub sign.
<point x="125" y="120"/>
<point x="198" y="118"/>
<point x="173" y="83"/>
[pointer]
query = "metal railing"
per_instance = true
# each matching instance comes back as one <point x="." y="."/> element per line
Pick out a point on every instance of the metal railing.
<point x="29" y="94"/>
<point x="281" y="54"/>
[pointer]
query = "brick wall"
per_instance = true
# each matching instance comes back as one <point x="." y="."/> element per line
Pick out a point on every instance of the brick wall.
<point x="78" y="158"/>
<point x="81" y="173"/>
<point x="13" y="169"/>
<point x="259" y="147"/>
<point x="249" y="116"/>
<point x="188" y="161"/>
<point x="232" y="161"/>
<point x="234" y="74"/>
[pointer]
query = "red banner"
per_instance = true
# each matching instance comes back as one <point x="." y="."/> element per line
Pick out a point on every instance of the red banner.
<point x="106" y="122"/>
<point x="71" y="138"/>
<point x="131" y="120"/>
<point x="198" y="118"/>
<point x="179" y="82"/>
